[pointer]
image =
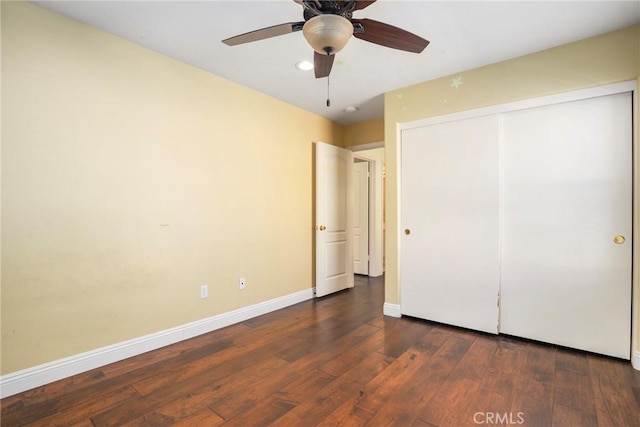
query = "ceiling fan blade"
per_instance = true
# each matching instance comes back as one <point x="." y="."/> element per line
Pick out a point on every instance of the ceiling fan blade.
<point x="264" y="33"/>
<point x="389" y="36"/>
<point x="322" y="64"/>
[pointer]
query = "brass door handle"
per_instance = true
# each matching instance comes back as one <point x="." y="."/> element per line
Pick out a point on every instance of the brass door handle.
<point x="322" y="228"/>
<point x="618" y="240"/>
<point x="407" y="231"/>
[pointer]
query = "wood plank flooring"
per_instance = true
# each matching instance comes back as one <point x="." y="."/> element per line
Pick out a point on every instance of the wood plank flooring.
<point x="339" y="361"/>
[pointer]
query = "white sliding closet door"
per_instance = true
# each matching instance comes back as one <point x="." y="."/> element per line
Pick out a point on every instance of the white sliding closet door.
<point x="449" y="252"/>
<point x="566" y="195"/>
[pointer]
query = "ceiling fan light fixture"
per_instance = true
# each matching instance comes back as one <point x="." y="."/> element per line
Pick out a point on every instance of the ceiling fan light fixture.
<point x="327" y="34"/>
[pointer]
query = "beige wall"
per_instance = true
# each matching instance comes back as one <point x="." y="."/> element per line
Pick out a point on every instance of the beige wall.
<point x="609" y="58"/>
<point x="130" y="179"/>
<point x="364" y="132"/>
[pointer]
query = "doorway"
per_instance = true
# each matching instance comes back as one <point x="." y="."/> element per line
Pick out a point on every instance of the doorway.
<point x="369" y="191"/>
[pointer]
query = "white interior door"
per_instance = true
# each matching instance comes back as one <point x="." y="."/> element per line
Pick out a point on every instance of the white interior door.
<point x="361" y="217"/>
<point x="567" y="193"/>
<point x="450" y="236"/>
<point x="334" y="254"/>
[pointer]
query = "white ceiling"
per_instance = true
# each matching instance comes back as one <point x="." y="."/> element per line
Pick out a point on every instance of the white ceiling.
<point x="463" y="35"/>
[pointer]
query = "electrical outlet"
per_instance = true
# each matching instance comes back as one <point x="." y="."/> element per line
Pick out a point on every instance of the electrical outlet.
<point x="204" y="291"/>
<point x="243" y="283"/>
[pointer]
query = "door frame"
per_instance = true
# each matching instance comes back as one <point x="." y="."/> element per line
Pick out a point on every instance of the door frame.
<point x="369" y="232"/>
<point x="611" y="89"/>
<point x="376" y="207"/>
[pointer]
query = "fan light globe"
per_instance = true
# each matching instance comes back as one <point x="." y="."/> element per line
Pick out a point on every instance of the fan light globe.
<point x="327" y="34"/>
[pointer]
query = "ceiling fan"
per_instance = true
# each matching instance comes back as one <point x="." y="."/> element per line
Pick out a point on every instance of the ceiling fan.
<point x="328" y="26"/>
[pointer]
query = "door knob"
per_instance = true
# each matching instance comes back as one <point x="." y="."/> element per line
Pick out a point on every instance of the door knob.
<point x="407" y="231"/>
<point x="618" y="240"/>
<point x="322" y="228"/>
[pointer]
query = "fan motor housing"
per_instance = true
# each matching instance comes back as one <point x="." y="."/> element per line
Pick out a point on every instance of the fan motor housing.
<point x="327" y="8"/>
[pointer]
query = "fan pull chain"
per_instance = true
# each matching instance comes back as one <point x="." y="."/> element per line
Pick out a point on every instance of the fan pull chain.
<point x="328" y="100"/>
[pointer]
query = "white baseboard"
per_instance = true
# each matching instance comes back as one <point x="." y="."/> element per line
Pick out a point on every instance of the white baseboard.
<point x="17" y="382"/>
<point x="635" y="360"/>
<point x="392" y="310"/>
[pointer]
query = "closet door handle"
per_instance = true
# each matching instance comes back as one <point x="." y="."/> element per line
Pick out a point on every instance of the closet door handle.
<point x="618" y="240"/>
<point x="407" y="231"/>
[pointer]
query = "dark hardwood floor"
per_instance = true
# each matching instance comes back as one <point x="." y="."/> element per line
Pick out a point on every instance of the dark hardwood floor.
<point x="339" y="361"/>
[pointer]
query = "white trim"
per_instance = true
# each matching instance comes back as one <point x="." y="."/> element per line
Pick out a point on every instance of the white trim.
<point x="593" y="92"/>
<point x="398" y="205"/>
<point x="367" y="146"/>
<point x="37" y="376"/>
<point x="391" y="310"/>
<point x="635" y="345"/>
<point x="635" y="360"/>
